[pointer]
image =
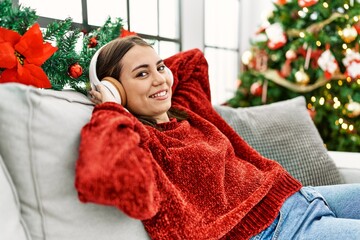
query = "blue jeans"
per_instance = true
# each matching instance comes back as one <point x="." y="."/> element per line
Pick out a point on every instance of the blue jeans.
<point x="318" y="213"/>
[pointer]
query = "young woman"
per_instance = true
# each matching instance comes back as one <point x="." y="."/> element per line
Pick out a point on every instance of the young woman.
<point x="167" y="158"/>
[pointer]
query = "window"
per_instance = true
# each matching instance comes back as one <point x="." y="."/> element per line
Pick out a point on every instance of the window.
<point x="222" y="47"/>
<point x="156" y="20"/>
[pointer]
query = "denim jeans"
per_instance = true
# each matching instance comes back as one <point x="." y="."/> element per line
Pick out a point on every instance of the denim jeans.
<point x="318" y="213"/>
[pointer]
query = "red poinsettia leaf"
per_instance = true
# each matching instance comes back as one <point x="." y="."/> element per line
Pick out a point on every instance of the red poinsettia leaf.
<point x="9" y="75"/>
<point x="7" y="56"/>
<point x="9" y="36"/>
<point x="125" y="33"/>
<point x="41" y="55"/>
<point x="33" y="48"/>
<point x="31" y="74"/>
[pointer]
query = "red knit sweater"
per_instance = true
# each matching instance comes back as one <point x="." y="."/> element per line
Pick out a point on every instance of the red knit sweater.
<point x="196" y="179"/>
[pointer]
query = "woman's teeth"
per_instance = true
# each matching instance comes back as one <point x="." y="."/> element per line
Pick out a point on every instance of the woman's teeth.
<point x="159" y="94"/>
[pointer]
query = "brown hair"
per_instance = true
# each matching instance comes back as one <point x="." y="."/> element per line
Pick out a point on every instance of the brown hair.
<point x="109" y="65"/>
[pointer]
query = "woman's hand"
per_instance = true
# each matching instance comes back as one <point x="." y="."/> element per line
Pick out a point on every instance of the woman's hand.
<point x="101" y="95"/>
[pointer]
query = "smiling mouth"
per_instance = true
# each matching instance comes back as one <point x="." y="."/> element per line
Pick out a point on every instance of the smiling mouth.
<point x="159" y="94"/>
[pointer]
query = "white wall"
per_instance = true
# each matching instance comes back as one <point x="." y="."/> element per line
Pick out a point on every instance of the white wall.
<point x="251" y="16"/>
<point x="192" y="24"/>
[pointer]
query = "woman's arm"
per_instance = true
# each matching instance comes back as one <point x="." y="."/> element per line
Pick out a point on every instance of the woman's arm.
<point x="192" y="90"/>
<point x="113" y="168"/>
<point x="191" y="87"/>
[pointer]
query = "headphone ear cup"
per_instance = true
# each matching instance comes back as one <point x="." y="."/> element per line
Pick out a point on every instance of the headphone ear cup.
<point x="116" y="89"/>
<point x="171" y="75"/>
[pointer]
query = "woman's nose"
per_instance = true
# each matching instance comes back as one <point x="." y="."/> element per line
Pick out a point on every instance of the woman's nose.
<point x="159" y="78"/>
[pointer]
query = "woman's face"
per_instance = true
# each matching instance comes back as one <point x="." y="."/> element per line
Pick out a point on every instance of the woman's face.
<point x="147" y="83"/>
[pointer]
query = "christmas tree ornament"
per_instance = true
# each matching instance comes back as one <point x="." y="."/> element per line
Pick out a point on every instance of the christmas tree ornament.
<point x="93" y="42"/>
<point x="286" y="69"/>
<point x="352" y="64"/>
<point x="312" y="113"/>
<point x="125" y="33"/>
<point x="301" y="77"/>
<point x="307" y="3"/>
<point x="256" y="89"/>
<point x="328" y="63"/>
<point x="276" y="36"/>
<point x="247" y="57"/>
<point x="357" y="26"/>
<point x="348" y="34"/>
<point x="353" y="109"/>
<point x="261" y="61"/>
<point x="290" y="54"/>
<point x="314" y="16"/>
<point x="280" y="2"/>
<point x="75" y="70"/>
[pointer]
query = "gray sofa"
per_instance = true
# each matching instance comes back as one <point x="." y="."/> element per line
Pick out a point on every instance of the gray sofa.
<point x="39" y="136"/>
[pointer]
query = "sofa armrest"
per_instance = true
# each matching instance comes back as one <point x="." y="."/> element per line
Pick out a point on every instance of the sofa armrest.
<point x="348" y="164"/>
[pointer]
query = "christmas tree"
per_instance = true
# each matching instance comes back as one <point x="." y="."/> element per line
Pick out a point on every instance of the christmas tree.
<point x="55" y="57"/>
<point x="309" y="48"/>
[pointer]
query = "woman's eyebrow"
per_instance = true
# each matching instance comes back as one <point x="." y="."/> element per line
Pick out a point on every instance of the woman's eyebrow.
<point x="146" y="65"/>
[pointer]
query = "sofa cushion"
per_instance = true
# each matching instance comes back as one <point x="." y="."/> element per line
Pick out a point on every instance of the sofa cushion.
<point x="12" y="225"/>
<point x="39" y="138"/>
<point x="284" y="131"/>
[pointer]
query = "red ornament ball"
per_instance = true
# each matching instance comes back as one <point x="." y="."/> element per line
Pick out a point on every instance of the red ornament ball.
<point x="256" y="89"/>
<point x="93" y="42"/>
<point x="75" y="70"/>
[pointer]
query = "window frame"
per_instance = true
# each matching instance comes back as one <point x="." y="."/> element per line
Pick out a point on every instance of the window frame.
<point x="44" y="21"/>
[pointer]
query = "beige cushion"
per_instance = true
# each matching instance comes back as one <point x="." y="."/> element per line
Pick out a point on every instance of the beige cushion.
<point x="12" y="226"/>
<point x="39" y="138"/>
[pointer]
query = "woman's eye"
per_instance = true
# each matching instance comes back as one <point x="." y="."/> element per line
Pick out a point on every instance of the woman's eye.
<point x="161" y="68"/>
<point x="141" y="74"/>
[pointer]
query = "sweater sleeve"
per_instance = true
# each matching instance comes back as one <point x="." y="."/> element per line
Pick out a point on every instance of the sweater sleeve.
<point x="191" y="88"/>
<point x="113" y="168"/>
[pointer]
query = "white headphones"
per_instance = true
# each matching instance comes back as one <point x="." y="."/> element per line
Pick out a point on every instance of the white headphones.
<point x="112" y="84"/>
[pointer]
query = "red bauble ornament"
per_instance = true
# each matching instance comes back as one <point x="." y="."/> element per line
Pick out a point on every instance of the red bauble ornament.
<point x="256" y="89"/>
<point x="125" y="33"/>
<point x="312" y="113"/>
<point x="280" y="2"/>
<point x="307" y="3"/>
<point x="93" y="42"/>
<point x="75" y="70"/>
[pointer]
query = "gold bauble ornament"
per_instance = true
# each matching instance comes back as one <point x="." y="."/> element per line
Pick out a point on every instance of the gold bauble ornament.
<point x="353" y="109"/>
<point x="348" y="34"/>
<point x="247" y="57"/>
<point x="301" y="77"/>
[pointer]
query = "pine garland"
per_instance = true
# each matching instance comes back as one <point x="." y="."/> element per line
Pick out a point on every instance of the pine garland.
<point x="75" y="46"/>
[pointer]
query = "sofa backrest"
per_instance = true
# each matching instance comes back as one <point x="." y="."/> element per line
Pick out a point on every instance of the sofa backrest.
<point x="39" y="138"/>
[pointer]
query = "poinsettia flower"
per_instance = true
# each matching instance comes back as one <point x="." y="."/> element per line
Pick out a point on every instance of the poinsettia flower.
<point x="21" y="57"/>
<point x="125" y="33"/>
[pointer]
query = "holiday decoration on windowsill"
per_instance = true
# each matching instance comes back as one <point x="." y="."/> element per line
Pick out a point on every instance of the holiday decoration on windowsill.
<point x="49" y="58"/>
<point x="309" y="48"/>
